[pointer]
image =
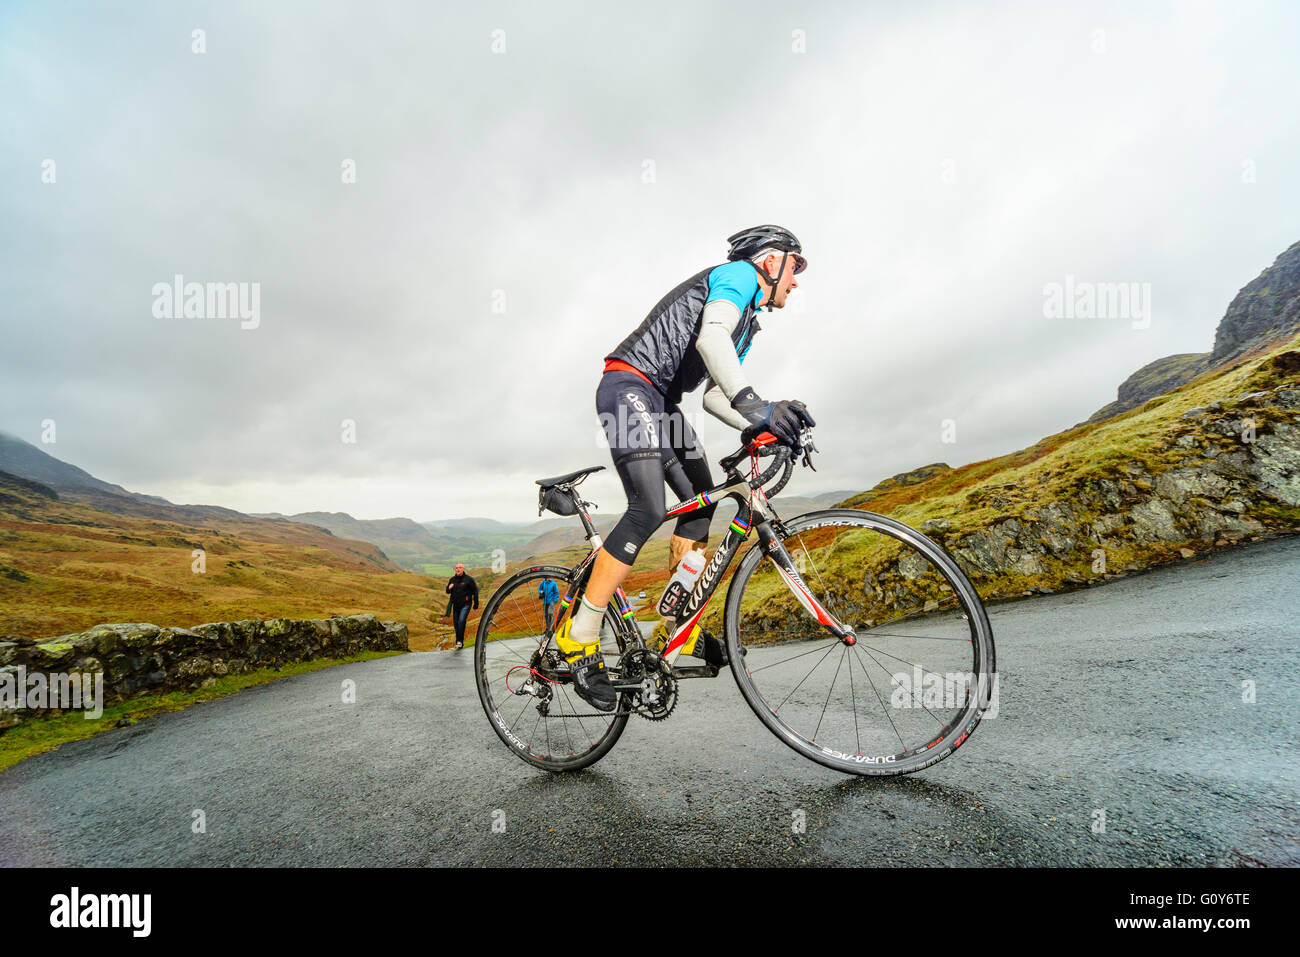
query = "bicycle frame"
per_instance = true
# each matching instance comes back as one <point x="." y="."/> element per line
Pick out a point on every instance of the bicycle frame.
<point x="754" y="514"/>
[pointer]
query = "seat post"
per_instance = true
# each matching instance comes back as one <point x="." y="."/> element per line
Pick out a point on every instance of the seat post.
<point x="586" y="523"/>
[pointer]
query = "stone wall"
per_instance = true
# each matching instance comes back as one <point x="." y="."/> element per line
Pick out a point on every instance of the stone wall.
<point x="137" y="659"/>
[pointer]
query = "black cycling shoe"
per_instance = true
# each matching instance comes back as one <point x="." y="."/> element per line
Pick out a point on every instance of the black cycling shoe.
<point x="591" y="682"/>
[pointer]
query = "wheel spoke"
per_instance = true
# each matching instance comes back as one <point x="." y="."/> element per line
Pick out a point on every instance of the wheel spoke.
<point x="883" y="707"/>
<point x="857" y="736"/>
<point x="829" y="691"/>
<point x="834" y="641"/>
<point x="805" y="677"/>
<point x="886" y="634"/>
<point x="903" y="660"/>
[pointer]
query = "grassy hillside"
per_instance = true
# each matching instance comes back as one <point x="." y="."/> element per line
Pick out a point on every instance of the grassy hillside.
<point x="65" y="567"/>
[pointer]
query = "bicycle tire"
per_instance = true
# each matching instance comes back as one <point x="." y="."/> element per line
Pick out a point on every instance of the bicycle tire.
<point x="490" y="673"/>
<point x="903" y="587"/>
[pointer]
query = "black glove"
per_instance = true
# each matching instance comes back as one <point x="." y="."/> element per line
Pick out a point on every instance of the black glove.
<point x="784" y="419"/>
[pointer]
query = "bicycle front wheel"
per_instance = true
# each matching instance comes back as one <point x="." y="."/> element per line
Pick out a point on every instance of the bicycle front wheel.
<point x="525" y="686"/>
<point x="912" y="686"/>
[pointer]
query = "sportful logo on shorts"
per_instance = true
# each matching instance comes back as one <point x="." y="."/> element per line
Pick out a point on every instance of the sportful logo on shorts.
<point x="629" y="547"/>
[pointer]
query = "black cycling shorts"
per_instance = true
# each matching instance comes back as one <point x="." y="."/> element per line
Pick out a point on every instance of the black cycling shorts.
<point x="651" y="443"/>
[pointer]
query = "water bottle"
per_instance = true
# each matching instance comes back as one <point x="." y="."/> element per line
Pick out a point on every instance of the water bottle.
<point x="681" y="584"/>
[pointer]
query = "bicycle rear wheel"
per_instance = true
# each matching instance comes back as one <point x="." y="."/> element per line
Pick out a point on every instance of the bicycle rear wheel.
<point x="912" y="686"/>
<point x="524" y="684"/>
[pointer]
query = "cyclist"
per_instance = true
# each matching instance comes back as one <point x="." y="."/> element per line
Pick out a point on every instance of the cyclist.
<point x="699" y="333"/>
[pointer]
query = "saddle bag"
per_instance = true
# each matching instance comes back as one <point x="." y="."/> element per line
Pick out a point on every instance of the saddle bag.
<point x="555" y="499"/>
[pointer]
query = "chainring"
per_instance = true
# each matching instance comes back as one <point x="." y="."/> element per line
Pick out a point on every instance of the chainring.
<point x="657" y="680"/>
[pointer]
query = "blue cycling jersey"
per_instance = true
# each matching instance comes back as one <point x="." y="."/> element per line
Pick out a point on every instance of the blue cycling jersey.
<point x="735" y="282"/>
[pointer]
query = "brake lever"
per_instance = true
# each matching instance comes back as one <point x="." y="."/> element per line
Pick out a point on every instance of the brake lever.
<point x="808" y="448"/>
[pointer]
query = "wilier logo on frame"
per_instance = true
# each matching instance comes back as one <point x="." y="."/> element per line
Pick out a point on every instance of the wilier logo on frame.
<point x="179" y="299"/>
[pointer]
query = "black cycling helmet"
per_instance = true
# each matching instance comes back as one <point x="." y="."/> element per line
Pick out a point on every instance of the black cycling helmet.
<point x="750" y="242"/>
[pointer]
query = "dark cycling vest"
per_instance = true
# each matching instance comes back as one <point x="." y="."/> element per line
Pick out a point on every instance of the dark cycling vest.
<point x="663" y="346"/>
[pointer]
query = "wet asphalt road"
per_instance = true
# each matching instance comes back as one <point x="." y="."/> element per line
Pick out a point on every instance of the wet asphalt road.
<point x="1124" y="699"/>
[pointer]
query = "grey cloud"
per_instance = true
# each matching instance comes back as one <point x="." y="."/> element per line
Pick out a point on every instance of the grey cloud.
<point x="523" y="172"/>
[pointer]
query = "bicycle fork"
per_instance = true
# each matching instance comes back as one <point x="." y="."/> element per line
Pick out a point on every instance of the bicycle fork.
<point x="789" y="572"/>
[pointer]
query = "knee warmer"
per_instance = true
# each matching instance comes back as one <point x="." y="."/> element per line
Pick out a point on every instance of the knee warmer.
<point x="643" y="481"/>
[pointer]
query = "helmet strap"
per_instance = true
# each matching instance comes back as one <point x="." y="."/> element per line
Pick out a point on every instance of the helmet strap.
<point x="785" y="254"/>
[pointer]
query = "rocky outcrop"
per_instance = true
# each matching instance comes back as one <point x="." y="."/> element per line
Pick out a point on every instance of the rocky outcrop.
<point x="1265" y="312"/>
<point x="901" y="480"/>
<point x="1230" y="471"/>
<point x="1153" y="379"/>
<point x="137" y="659"/>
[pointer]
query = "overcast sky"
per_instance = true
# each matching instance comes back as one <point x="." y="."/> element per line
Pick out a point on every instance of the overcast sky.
<point x="941" y="164"/>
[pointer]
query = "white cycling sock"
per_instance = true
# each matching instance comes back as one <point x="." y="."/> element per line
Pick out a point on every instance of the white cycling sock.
<point x="586" y="623"/>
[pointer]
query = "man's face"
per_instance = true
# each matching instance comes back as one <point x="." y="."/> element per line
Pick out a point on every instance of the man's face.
<point x="785" y="282"/>
<point x="460" y="569"/>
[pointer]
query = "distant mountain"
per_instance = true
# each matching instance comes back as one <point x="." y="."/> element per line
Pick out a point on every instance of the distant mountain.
<point x="1153" y="379"/>
<point x="66" y="566"/>
<point x="21" y="458"/>
<point x="901" y="480"/>
<point x="473" y="525"/>
<point x="24" y="461"/>
<point x="1264" y="313"/>
<point x="18" y="491"/>
<point x="404" y="541"/>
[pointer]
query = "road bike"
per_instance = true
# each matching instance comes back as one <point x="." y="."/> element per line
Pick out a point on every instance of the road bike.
<point x="856" y="640"/>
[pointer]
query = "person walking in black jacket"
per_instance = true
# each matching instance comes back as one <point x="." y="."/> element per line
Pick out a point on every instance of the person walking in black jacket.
<point x="464" y="592"/>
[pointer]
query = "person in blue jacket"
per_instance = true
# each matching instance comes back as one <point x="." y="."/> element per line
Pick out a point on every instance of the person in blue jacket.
<point x="549" y="593"/>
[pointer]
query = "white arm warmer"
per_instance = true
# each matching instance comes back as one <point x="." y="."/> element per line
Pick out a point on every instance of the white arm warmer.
<point x="714" y="343"/>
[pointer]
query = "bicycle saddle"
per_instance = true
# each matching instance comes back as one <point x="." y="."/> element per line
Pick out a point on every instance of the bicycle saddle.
<point x="572" y="476"/>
